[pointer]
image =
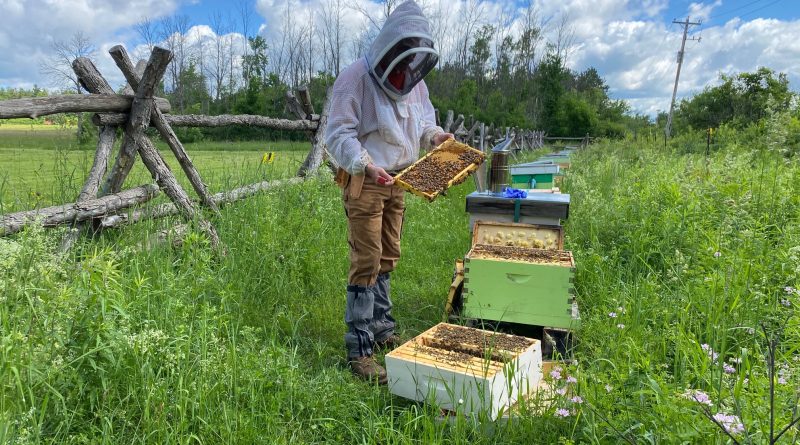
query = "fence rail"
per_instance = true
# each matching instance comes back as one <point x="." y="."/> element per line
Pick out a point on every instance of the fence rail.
<point x="101" y="200"/>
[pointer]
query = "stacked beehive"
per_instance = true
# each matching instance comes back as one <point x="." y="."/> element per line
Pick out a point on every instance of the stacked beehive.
<point x="516" y="270"/>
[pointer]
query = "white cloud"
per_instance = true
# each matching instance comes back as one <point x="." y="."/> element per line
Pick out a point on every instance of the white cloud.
<point x="630" y="42"/>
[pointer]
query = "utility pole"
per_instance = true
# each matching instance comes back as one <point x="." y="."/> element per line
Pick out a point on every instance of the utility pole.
<point x="685" y="24"/>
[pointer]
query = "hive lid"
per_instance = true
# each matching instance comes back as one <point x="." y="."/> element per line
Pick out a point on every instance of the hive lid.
<point x="467" y="158"/>
<point x="550" y="237"/>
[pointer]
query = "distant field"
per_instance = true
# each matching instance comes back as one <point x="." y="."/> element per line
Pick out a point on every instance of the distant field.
<point x="44" y="165"/>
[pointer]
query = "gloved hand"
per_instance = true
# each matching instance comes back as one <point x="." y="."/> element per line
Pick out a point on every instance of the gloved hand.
<point x="508" y="192"/>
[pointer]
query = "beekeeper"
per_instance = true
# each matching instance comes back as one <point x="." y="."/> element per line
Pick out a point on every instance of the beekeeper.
<point x="379" y="118"/>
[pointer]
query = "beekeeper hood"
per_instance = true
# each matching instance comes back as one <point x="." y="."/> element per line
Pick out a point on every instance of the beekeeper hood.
<point x="402" y="53"/>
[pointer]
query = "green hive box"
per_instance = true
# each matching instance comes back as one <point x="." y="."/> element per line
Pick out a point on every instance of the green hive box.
<point x="543" y="181"/>
<point x="533" y="175"/>
<point x="516" y="291"/>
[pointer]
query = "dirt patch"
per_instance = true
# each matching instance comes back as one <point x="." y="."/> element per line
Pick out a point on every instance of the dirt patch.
<point x="432" y="173"/>
<point x="539" y="256"/>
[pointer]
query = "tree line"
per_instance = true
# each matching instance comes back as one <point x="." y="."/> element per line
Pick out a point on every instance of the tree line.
<point x="485" y="71"/>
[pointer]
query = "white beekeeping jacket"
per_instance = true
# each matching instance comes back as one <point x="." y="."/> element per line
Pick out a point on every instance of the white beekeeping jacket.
<point x="365" y="124"/>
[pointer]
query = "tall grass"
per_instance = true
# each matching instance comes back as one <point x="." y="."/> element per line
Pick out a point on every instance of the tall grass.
<point x="117" y="345"/>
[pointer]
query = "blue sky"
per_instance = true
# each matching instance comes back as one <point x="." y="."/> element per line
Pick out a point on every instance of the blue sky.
<point x="632" y="43"/>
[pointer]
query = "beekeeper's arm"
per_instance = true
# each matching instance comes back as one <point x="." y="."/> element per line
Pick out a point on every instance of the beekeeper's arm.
<point x="341" y="135"/>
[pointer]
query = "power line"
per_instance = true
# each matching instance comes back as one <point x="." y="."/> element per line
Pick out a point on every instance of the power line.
<point x="732" y="11"/>
<point x="685" y="24"/>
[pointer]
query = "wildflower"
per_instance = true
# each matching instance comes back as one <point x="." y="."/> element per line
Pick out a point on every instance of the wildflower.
<point x="786" y="302"/>
<point x="555" y="374"/>
<point x="751" y="331"/>
<point x="561" y="391"/>
<point x="782" y="380"/>
<point x="621" y="309"/>
<point x="790" y="289"/>
<point x="571" y="379"/>
<point x="728" y="368"/>
<point x="717" y="254"/>
<point x="460" y="401"/>
<point x="561" y="412"/>
<point x="699" y="397"/>
<point x="577" y="399"/>
<point x="730" y="422"/>
<point x="736" y="360"/>
<point x="612" y="314"/>
<point x="609" y="387"/>
<point x="621" y="326"/>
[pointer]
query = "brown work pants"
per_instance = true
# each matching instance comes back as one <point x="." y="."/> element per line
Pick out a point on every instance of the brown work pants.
<point x="375" y="222"/>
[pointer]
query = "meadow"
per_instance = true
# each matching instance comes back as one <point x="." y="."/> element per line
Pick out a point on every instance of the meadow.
<point x="687" y="272"/>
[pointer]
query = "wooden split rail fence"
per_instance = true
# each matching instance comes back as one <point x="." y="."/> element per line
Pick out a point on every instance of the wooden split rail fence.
<point x="102" y="202"/>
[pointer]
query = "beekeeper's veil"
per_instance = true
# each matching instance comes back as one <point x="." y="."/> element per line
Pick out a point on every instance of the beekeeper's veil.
<point x="402" y="53"/>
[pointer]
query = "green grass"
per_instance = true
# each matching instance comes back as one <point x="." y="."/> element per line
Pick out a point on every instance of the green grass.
<point x="46" y="166"/>
<point x="116" y="345"/>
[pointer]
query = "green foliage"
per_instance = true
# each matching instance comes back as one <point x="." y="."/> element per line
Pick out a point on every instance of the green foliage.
<point x="680" y="260"/>
<point x="740" y="100"/>
<point x="574" y="117"/>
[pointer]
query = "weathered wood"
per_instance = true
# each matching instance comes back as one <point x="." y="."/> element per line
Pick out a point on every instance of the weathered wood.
<point x="70" y="103"/>
<point x="223" y="120"/>
<point x="122" y="60"/>
<point x="305" y="100"/>
<point x="448" y="121"/>
<point x="457" y="123"/>
<point x="294" y="106"/>
<point x="92" y="81"/>
<point x="80" y="211"/>
<point x="139" y="69"/>
<point x="127" y="152"/>
<point x="139" y="120"/>
<point x="318" y="148"/>
<point x="220" y="199"/>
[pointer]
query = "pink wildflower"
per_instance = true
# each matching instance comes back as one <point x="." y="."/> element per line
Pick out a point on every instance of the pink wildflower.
<point x="571" y="379"/>
<point x="561" y="412"/>
<point x="699" y="397"/>
<point x="728" y="368"/>
<point x="731" y="423"/>
<point x="577" y="399"/>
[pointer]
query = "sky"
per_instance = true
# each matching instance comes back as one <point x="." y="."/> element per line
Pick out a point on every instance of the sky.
<point x="632" y="44"/>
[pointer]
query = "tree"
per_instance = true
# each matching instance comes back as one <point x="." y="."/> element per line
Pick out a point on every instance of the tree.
<point x="740" y="100"/>
<point x="58" y="67"/>
<point x="255" y="64"/>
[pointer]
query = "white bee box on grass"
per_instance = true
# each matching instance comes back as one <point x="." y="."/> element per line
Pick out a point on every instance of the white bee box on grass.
<point x="466" y="369"/>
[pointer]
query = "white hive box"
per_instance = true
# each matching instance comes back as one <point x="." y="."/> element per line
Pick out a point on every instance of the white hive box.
<point x="471" y="369"/>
